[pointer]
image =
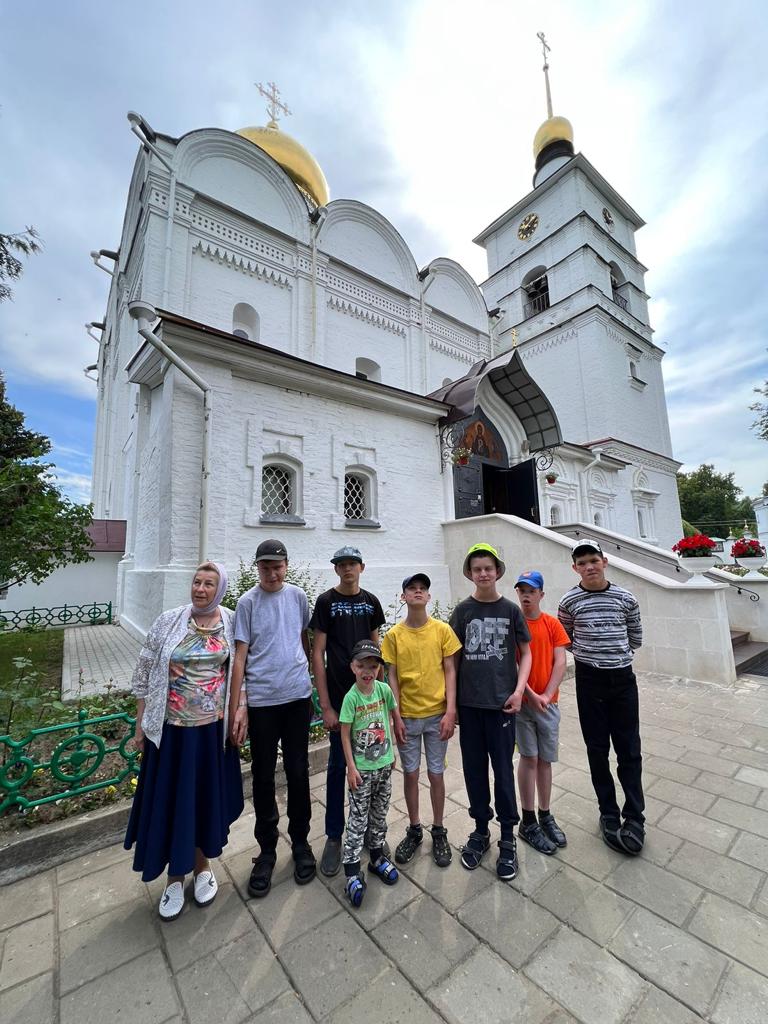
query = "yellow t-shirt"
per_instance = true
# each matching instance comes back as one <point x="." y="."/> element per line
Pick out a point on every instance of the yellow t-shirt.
<point x="417" y="655"/>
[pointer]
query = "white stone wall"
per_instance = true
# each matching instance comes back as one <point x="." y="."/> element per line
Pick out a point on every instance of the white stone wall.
<point x="85" y="583"/>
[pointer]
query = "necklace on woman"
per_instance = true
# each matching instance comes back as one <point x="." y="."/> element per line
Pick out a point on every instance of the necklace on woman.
<point x="211" y="620"/>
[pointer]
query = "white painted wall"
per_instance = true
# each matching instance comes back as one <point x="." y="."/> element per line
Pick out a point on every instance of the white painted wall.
<point x="85" y="583"/>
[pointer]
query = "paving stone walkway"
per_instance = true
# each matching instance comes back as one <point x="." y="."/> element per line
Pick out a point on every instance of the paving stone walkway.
<point x="102" y="654"/>
<point x="676" y="936"/>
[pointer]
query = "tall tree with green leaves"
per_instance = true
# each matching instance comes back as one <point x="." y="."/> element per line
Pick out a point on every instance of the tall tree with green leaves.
<point x="711" y="501"/>
<point x="40" y="529"/>
<point x="23" y="243"/>
<point x="760" y="426"/>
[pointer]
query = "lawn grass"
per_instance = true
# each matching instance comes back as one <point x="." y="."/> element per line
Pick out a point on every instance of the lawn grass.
<point x="43" y="647"/>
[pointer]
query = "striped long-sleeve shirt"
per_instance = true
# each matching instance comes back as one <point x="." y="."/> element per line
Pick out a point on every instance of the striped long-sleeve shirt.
<point x="603" y="625"/>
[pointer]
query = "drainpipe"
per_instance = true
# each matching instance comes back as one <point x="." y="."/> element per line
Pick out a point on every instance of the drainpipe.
<point x="146" y="315"/>
<point x="598" y="452"/>
<point x="316" y="217"/>
<point x="142" y="131"/>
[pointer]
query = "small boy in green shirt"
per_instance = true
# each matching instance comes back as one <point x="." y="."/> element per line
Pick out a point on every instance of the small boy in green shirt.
<point x="367" y="715"/>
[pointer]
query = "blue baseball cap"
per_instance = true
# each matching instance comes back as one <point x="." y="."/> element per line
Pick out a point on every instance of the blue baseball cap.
<point x="422" y="576"/>
<point x="533" y="578"/>
<point x="347" y="554"/>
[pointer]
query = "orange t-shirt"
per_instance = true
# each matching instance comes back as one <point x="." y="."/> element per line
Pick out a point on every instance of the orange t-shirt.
<point x="546" y="634"/>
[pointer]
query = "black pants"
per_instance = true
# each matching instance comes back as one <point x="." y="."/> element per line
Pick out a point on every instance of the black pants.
<point x="488" y="734"/>
<point x="609" y="713"/>
<point x="288" y="724"/>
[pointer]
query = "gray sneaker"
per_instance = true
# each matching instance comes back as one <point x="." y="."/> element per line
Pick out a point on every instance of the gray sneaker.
<point x="330" y="862"/>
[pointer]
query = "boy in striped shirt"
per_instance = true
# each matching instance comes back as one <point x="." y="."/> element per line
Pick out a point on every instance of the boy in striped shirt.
<point x="603" y="624"/>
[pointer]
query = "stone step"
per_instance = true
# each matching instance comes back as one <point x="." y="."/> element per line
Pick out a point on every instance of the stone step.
<point x="739" y="637"/>
<point x="748" y="656"/>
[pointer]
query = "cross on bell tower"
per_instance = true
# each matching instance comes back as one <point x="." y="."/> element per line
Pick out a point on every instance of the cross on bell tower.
<point x="275" y="106"/>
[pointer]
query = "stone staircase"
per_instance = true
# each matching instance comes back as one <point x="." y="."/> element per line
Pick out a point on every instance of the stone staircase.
<point x="749" y="655"/>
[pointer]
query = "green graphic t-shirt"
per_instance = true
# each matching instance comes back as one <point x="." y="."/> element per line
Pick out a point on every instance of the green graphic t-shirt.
<point x="369" y="720"/>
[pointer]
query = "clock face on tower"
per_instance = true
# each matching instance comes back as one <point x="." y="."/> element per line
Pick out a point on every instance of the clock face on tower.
<point x="527" y="226"/>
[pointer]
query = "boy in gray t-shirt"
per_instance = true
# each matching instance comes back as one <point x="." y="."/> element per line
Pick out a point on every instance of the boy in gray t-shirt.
<point x="271" y="698"/>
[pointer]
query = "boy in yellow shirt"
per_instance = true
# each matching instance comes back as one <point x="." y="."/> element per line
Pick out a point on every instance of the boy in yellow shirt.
<point x="422" y="675"/>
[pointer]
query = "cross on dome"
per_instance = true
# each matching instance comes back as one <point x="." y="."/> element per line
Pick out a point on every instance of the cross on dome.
<point x="275" y="104"/>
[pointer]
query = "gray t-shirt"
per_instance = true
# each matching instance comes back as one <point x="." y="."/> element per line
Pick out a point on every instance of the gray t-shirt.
<point x="276" y="669"/>
<point x="490" y="632"/>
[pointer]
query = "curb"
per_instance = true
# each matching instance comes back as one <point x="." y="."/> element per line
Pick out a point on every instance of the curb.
<point x="50" y="845"/>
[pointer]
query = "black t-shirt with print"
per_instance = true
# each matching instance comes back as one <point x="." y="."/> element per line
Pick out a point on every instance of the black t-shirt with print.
<point x="490" y="632"/>
<point x="345" y="619"/>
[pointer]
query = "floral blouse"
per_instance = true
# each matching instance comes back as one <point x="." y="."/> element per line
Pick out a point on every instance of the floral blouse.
<point x="197" y="677"/>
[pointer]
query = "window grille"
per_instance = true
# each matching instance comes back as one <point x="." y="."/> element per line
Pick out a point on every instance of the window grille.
<point x="355" y="504"/>
<point x="276" y="491"/>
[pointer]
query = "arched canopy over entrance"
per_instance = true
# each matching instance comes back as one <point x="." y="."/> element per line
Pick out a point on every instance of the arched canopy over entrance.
<point x="515" y="386"/>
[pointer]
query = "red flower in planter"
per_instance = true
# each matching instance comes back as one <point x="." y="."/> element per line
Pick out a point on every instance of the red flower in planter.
<point x="744" y="548"/>
<point x="697" y="546"/>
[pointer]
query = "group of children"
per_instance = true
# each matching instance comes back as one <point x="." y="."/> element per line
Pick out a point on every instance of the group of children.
<point x="495" y="671"/>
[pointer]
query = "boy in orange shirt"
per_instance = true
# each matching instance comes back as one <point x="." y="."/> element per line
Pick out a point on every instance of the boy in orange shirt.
<point x="537" y="729"/>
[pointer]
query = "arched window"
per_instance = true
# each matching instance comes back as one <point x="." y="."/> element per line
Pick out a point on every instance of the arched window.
<point x="278" y="491"/>
<point x="554" y="515"/>
<point x="245" y="322"/>
<point x="367" y="369"/>
<point x="641" y="524"/>
<point x="536" y="288"/>
<point x="356" y="500"/>
<point x="617" y="280"/>
<point x="597" y="519"/>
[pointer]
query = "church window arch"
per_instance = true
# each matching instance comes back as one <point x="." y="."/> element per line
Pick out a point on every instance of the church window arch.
<point x="535" y="287"/>
<point x="281" y="490"/>
<point x="367" y="369"/>
<point x="360" y="497"/>
<point x="597" y="519"/>
<point x="555" y="516"/>
<point x="245" y="322"/>
<point x="618" y="280"/>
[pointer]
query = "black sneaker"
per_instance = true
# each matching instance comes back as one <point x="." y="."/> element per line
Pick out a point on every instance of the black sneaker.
<point x="553" y="831"/>
<point x="260" y="881"/>
<point x="441" y="848"/>
<point x="474" y="850"/>
<point x="330" y="862"/>
<point x="305" y="866"/>
<point x="506" y="865"/>
<point x="535" y="836"/>
<point x="406" y="848"/>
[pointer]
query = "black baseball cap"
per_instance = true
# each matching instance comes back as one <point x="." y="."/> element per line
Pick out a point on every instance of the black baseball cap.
<point x="417" y="576"/>
<point x="271" y="551"/>
<point x="367" y="649"/>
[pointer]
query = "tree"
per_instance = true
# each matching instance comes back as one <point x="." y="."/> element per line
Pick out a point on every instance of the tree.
<point x="760" y="426"/>
<point x="711" y="502"/>
<point x="24" y="242"/>
<point x="40" y="529"/>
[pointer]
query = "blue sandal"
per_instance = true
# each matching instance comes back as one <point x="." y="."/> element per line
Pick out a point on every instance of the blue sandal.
<point x="385" y="870"/>
<point x="354" y="889"/>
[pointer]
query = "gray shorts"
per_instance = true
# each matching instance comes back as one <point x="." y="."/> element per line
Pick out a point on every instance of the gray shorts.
<point x="537" y="733"/>
<point x="435" y="749"/>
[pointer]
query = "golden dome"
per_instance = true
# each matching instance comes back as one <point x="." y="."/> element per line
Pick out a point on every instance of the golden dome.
<point x="295" y="160"/>
<point x="554" y="129"/>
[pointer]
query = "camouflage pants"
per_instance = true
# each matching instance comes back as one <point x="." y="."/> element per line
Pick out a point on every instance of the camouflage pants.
<point x="368" y="806"/>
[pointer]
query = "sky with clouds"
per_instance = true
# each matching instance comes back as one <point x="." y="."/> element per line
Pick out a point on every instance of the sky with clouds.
<point x="426" y="110"/>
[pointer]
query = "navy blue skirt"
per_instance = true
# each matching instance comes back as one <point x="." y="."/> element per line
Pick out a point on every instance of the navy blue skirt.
<point x="189" y="792"/>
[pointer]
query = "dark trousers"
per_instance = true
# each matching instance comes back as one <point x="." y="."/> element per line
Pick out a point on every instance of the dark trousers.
<point x="488" y="734"/>
<point x="609" y="713"/>
<point x="335" y="789"/>
<point x="287" y="724"/>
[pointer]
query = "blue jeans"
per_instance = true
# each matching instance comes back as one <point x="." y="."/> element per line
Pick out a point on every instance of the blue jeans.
<point x="335" y="788"/>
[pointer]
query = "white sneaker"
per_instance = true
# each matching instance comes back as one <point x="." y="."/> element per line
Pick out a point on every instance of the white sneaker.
<point x="172" y="901"/>
<point x="206" y="888"/>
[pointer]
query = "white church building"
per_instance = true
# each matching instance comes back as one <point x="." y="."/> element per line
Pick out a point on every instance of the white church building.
<point x="275" y="363"/>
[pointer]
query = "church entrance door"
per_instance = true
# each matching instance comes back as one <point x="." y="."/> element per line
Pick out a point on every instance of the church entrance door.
<point x="512" y="492"/>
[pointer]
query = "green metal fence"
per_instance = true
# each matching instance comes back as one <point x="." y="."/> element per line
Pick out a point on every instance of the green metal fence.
<point x="65" y="615"/>
<point x="69" y="765"/>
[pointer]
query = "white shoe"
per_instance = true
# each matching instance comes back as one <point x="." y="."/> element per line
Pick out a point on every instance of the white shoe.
<point x="206" y="888"/>
<point x="172" y="901"/>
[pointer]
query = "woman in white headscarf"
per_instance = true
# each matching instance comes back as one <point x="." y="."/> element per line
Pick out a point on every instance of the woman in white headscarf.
<point x="190" y="788"/>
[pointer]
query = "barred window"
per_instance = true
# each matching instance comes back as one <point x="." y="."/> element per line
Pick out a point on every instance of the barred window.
<point x="277" y="491"/>
<point x="355" y="497"/>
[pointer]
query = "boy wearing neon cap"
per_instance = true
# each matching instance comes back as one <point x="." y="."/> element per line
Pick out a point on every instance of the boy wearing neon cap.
<point x="493" y="668"/>
<point x="537" y="728"/>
